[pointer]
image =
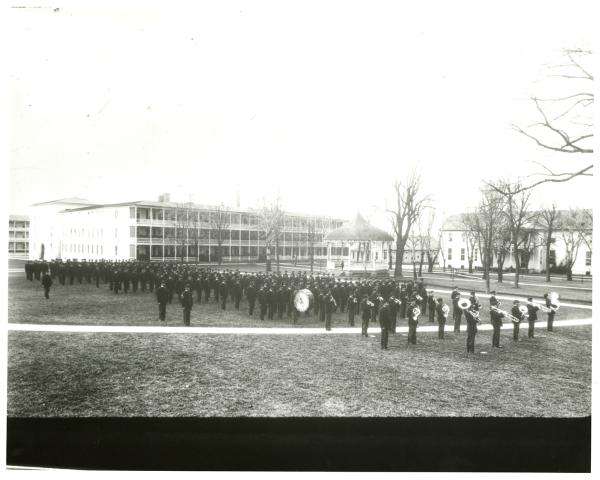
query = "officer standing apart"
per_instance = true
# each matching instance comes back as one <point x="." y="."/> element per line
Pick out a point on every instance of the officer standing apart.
<point x="366" y="306"/>
<point x="47" y="283"/>
<point x="162" y="297"/>
<point x="187" y="301"/>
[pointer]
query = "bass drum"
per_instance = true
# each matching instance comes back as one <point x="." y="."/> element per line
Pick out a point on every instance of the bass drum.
<point x="303" y="300"/>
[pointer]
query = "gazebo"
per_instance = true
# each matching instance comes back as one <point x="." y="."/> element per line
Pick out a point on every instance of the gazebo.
<point x="359" y="245"/>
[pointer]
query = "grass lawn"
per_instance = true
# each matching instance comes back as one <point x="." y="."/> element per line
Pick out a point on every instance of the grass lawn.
<point x="87" y="305"/>
<point x="98" y="374"/>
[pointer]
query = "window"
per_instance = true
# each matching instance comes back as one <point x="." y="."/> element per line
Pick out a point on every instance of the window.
<point x="449" y="237"/>
<point x="462" y="253"/>
<point x="588" y="259"/>
<point x="449" y="254"/>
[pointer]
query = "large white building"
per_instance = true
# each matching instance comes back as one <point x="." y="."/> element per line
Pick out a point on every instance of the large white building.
<point x="75" y="228"/>
<point x="456" y="249"/>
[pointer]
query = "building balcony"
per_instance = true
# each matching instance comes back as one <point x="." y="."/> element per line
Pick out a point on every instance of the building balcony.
<point x="143" y="240"/>
<point x="145" y="221"/>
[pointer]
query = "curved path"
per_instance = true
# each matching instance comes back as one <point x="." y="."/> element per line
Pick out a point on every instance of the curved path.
<point x="30" y="327"/>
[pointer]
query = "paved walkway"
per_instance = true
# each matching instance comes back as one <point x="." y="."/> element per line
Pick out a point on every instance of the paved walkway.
<point x="28" y="327"/>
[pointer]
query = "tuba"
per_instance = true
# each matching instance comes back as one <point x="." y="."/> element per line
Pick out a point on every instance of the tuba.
<point x="524" y="311"/>
<point x="445" y="310"/>
<point x="554" y="303"/>
<point x="463" y="304"/>
<point x="416" y="311"/>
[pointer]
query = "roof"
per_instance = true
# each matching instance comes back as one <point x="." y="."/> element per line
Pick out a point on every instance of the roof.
<point x="19" y="218"/>
<point x="66" y="201"/>
<point x="456" y="223"/>
<point x="359" y="230"/>
<point x="156" y="204"/>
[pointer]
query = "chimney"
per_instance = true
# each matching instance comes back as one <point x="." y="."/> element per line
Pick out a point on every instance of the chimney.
<point x="237" y="197"/>
<point x="165" y="197"/>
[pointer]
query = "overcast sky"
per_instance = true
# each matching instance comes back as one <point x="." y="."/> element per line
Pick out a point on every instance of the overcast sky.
<point x="322" y="102"/>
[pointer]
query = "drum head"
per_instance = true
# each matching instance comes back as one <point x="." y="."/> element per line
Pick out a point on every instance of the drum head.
<point x="303" y="300"/>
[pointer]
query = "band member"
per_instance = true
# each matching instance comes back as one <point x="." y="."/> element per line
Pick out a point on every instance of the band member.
<point x="456" y="310"/>
<point x="162" y="297"/>
<point x="413" y="321"/>
<point x="330" y="306"/>
<point x="442" y="311"/>
<point x="47" y="283"/>
<point x="393" y="307"/>
<point x="475" y="301"/>
<point x="472" y="318"/>
<point x="385" y="324"/>
<point x="365" y="308"/>
<point x="518" y="317"/>
<point x="262" y="302"/>
<point x="187" y="301"/>
<point x="552" y="311"/>
<point x="432" y="306"/>
<point x="352" y="302"/>
<point x="495" y="319"/>
<point x="532" y="310"/>
<point x="251" y="296"/>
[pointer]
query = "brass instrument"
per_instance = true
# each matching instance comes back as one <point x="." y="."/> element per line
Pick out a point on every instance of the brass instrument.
<point x="463" y="304"/>
<point x="504" y="313"/>
<point x="524" y="311"/>
<point x="445" y="310"/>
<point x="416" y="311"/>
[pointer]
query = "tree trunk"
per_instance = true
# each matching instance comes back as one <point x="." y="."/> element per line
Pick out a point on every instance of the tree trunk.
<point x="470" y="265"/>
<point x="486" y="273"/>
<point x="421" y="266"/>
<point x="277" y="254"/>
<point x="414" y="265"/>
<point x="399" y="256"/>
<point x="548" y="242"/>
<point x="312" y="257"/>
<point x="517" y="264"/>
<point x="569" y="273"/>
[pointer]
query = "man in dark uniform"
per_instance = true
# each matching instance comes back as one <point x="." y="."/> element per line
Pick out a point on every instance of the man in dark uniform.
<point x="385" y="324"/>
<point x="432" y="306"/>
<point x="170" y="284"/>
<point x="352" y="302"/>
<point x="262" y="302"/>
<point x="365" y="307"/>
<point x="223" y="294"/>
<point x="495" y="319"/>
<point x="162" y="297"/>
<point x="456" y="310"/>
<point x="403" y="298"/>
<point x="393" y="308"/>
<point x="442" y="316"/>
<point x="47" y="283"/>
<point x="413" y="322"/>
<point x="321" y="302"/>
<point x="251" y="296"/>
<point x="552" y="311"/>
<point x="472" y="318"/>
<point x="518" y="318"/>
<point x="187" y="301"/>
<point x="330" y="306"/>
<point x="532" y="310"/>
<point x="237" y="294"/>
<point x="271" y="303"/>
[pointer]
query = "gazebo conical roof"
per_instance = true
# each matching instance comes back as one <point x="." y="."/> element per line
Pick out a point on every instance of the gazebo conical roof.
<point x="359" y="230"/>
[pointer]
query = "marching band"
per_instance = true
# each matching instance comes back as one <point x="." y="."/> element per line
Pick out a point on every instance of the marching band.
<point x="301" y="293"/>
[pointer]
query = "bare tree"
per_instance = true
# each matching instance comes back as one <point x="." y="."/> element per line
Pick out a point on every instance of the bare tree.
<point x="409" y="206"/>
<point x="566" y="122"/>
<point x="484" y="221"/>
<point x="442" y="251"/>
<point x="315" y="235"/>
<point x="517" y="216"/>
<point x="271" y="218"/>
<point x="428" y="244"/>
<point x="471" y="240"/>
<point x="546" y="222"/>
<point x="219" y="220"/>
